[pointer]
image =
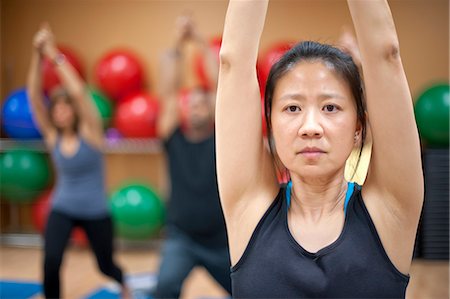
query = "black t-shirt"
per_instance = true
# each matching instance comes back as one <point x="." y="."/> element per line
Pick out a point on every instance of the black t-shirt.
<point x="194" y="205"/>
<point x="274" y="265"/>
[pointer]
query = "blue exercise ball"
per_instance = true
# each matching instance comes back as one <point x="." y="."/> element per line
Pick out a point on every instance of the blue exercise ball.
<point x="17" y="118"/>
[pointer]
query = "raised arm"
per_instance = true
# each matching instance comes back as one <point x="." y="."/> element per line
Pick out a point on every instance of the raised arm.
<point x="90" y="121"/>
<point x="348" y="43"/>
<point x="245" y="172"/>
<point x="394" y="187"/>
<point x="209" y="57"/>
<point x="210" y="63"/>
<point x="170" y="70"/>
<point x="34" y="90"/>
<point x="169" y="117"/>
<point x="396" y="162"/>
<point x="239" y="143"/>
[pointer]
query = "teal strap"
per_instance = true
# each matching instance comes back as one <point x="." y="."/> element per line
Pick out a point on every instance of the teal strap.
<point x="288" y="193"/>
<point x="350" y="187"/>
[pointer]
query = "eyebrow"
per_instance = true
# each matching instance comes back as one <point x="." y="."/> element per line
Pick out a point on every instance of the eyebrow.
<point x="295" y="96"/>
<point x="332" y="95"/>
<point x="323" y="96"/>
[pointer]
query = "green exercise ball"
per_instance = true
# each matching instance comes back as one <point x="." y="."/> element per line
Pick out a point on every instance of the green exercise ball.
<point x="24" y="174"/>
<point x="137" y="211"/>
<point x="432" y="115"/>
<point x="104" y="106"/>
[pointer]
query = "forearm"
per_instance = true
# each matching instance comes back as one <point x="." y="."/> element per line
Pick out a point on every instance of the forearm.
<point x="69" y="77"/>
<point x="374" y="27"/>
<point x="170" y="72"/>
<point x="244" y="24"/>
<point x="34" y="82"/>
<point x="34" y="90"/>
<point x="170" y="77"/>
<point x="210" y="62"/>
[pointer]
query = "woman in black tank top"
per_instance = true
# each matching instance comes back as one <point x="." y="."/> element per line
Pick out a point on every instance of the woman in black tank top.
<point x="319" y="237"/>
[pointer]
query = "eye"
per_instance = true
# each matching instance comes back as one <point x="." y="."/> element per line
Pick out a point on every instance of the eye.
<point x="293" y="109"/>
<point x="330" y="108"/>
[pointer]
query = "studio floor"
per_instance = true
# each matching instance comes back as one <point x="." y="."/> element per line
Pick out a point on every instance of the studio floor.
<point x="429" y="279"/>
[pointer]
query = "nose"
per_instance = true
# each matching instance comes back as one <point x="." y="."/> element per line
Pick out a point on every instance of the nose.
<point x="311" y="126"/>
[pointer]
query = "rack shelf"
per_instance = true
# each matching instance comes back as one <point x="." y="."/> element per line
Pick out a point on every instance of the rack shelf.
<point x="119" y="146"/>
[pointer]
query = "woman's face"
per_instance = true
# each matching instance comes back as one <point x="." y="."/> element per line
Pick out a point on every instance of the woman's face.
<point x="314" y="120"/>
<point x="63" y="114"/>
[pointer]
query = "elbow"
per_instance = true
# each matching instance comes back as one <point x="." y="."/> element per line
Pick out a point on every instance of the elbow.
<point x="231" y="55"/>
<point x="390" y="50"/>
<point x="234" y="59"/>
<point x="32" y="93"/>
<point x="79" y="92"/>
<point x="225" y="59"/>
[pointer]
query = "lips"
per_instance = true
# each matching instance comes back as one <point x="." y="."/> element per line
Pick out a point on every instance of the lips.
<point x="311" y="152"/>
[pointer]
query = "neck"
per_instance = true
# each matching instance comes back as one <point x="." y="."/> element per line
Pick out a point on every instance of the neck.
<point x="198" y="135"/>
<point x="315" y="198"/>
<point x="68" y="133"/>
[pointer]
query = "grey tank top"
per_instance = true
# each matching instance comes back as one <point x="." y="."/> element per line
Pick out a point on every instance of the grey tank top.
<point x="79" y="190"/>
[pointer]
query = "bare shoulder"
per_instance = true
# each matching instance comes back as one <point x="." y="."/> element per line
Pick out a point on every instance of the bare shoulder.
<point x="93" y="137"/>
<point x="50" y="137"/>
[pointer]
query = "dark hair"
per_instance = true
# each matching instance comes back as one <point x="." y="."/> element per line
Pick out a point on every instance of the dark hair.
<point x="339" y="61"/>
<point x="56" y="94"/>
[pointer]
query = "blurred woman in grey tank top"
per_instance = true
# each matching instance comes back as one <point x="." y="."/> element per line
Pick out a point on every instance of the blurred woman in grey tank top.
<point x="73" y="133"/>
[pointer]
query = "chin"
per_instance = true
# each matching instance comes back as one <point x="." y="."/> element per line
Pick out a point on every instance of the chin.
<point x="200" y="125"/>
<point x="60" y="127"/>
<point x="63" y="127"/>
<point x="312" y="172"/>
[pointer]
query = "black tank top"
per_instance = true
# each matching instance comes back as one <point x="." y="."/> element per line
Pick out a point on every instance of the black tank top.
<point x="194" y="204"/>
<point x="274" y="265"/>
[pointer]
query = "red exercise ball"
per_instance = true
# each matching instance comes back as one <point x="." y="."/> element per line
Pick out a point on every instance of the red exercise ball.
<point x="136" y="116"/>
<point x="39" y="214"/>
<point x="50" y="78"/>
<point x="119" y="73"/>
<point x="79" y="237"/>
<point x="272" y="55"/>
<point x="40" y="211"/>
<point x="214" y="44"/>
